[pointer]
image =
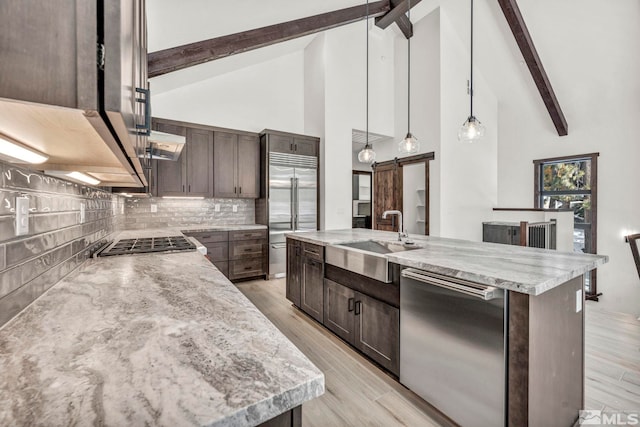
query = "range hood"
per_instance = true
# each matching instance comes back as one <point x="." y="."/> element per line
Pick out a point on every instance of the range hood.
<point x="165" y="146"/>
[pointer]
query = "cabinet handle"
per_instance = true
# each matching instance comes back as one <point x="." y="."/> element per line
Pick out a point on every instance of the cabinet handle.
<point x="358" y="308"/>
<point x="306" y="251"/>
<point x="291" y="146"/>
<point x="248" y="249"/>
<point x="144" y="129"/>
<point x="240" y="190"/>
<point x="295" y="147"/>
<point x="351" y="301"/>
<point x="234" y="190"/>
<point x="183" y="188"/>
<point x="247" y="268"/>
<point x="189" y="188"/>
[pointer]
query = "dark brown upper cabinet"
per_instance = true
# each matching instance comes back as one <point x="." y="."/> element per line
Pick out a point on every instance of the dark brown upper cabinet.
<point x="81" y="69"/>
<point x="192" y="173"/>
<point x="236" y="165"/>
<point x="290" y="144"/>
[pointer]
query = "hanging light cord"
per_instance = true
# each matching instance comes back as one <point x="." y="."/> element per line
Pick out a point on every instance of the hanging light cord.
<point x="471" y="73"/>
<point x="409" y="71"/>
<point x="367" y="79"/>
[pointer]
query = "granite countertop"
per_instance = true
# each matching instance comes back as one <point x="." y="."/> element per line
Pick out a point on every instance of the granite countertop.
<point x="527" y="270"/>
<point x="154" y="339"/>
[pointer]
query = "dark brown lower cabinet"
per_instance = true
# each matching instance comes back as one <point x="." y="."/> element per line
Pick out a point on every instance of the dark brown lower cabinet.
<point x="377" y="331"/>
<point x="312" y="287"/>
<point x="237" y="254"/>
<point x="370" y="325"/>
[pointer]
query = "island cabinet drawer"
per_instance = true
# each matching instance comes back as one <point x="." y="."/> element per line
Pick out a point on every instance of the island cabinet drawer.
<point x="239" y="269"/>
<point x="223" y="266"/>
<point x="205" y="237"/>
<point x="247" y="235"/>
<point x="218" y="251"/>
<point x="312" y="251"/>
<point x="247" y="249"/>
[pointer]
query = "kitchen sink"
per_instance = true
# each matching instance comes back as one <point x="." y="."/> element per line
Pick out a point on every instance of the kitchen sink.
<point x="366" y="257"/>
<point x="380" y="247"/>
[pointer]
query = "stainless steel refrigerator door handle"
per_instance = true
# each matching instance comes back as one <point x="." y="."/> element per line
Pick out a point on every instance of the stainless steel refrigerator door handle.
<point x="477" y="290"/>
<point x="297" y="207"/>
<point x="291" y="210"/>
<point x="279" y="245"/>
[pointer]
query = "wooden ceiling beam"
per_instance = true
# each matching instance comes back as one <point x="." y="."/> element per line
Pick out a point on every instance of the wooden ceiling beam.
<point x="398" y="15"/>
<point x="519" y="29"/>
<point x="405" y="26"/>
<point x="177" y="58"/>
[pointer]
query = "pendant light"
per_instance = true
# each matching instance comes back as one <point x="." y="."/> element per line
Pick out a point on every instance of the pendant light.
<point x="367" y="155"/>
<point x="409" y="144"/>
<point x="471" y="130"/>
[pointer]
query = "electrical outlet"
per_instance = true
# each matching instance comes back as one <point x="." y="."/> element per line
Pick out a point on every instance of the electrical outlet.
<point x="235" y="208"/>
<point x="22" y="216"/>
<point x="83" y="216"/>
<point x="154" y="208"/>
<point x="216" y="207"/>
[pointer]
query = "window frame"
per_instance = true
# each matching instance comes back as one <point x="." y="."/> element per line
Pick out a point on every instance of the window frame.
<point x="539" y="193"/>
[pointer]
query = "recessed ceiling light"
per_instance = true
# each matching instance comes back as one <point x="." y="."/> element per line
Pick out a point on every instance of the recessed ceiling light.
<point x="15" y="152"/>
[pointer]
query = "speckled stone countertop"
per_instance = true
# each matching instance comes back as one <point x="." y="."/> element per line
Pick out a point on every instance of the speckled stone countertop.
<point x="153" y="339"/>
<point x="527" y="270"/>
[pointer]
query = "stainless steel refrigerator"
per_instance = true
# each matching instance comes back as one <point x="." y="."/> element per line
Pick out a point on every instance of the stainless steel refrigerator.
<point x="293" y="196"/>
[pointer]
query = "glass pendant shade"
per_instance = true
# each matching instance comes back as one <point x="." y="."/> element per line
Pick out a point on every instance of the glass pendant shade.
<point x="409" y="145"/>
<point x="367" y="155"/>
<point x="471" y="130"/>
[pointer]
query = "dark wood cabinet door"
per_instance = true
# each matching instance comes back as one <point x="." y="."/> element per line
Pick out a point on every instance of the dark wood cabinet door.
<point x="312" y="288"/>
<point x="199" y="162"/>
<point x="339" y="306"/>
<point x="387" y="189"/>
<point x="170" y="176"/>
<point x="293" y="272"/>
<point x="377" y="331"/>
<point x="225" y="146"/>
<point x="305" y="147"/>
<point x="248" y="170"/>
<point x="280" y="144"/>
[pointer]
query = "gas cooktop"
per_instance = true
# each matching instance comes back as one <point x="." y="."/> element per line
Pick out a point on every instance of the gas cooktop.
<point x="148" y="245"/>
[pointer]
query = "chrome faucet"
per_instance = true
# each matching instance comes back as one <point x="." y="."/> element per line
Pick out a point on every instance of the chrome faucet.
<point x="401" y="232"/>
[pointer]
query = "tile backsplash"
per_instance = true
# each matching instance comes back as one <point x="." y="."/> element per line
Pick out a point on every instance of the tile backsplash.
<point x="157" y="212"/>
<point x="57" y="241"/>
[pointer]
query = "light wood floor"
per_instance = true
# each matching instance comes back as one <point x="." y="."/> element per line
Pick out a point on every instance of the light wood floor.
<point x="360" y="394"/>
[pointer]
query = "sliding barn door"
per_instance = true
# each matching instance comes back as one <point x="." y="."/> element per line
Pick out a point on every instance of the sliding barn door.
<point x="387" y="195"/>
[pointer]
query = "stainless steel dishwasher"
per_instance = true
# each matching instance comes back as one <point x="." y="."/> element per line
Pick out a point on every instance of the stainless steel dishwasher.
<point x="452" y="346"/>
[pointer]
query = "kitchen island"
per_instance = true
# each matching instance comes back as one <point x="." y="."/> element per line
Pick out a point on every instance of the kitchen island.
<point x="153" y="339"/>
<point x="489" y="334"/>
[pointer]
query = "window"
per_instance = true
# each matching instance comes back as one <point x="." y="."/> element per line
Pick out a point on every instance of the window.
<point x="571" y="183"/>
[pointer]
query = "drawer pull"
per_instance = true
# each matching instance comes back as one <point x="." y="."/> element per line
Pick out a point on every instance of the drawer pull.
<point x="247" y="268"/>
<point x="248" y="250"/>
<point x="306" y="251"/>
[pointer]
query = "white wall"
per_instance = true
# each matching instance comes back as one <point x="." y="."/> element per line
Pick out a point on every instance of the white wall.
<point x="265" y="95"/>
<point x="344" y="109"/>
<point x="590" y="50"/>
<point x="314" y="107"/>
